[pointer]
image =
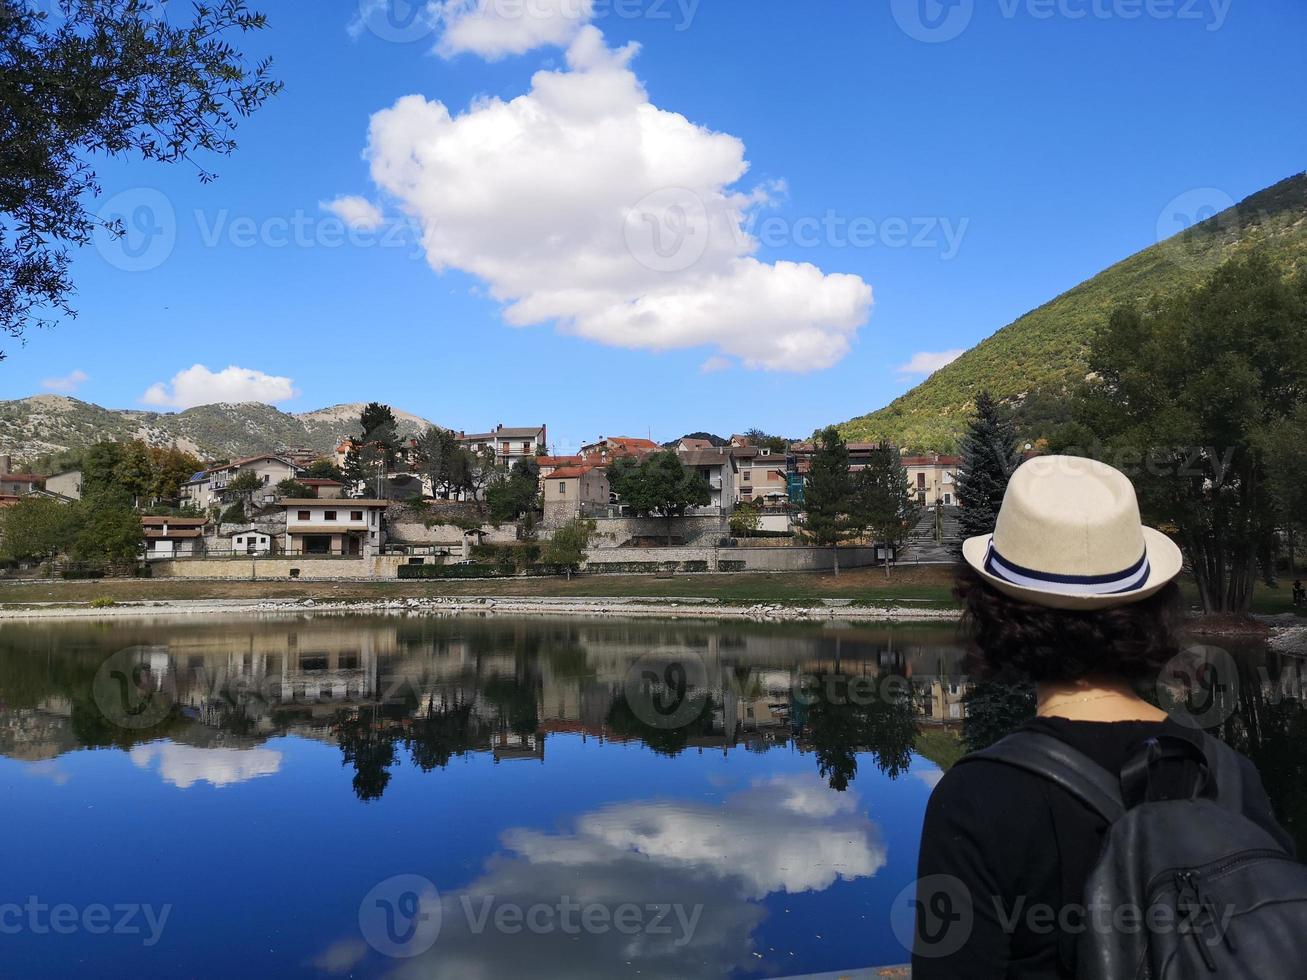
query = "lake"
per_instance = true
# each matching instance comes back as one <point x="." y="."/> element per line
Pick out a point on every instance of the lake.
<point x="324" y="795"/>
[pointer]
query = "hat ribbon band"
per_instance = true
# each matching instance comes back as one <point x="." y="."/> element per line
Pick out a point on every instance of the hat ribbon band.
<point x="1124" y="581"/>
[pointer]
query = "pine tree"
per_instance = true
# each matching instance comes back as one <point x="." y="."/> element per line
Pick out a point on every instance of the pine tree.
<point x="884" y="503"/>
<point x="828" y="495"/>
<point x="989" y="456"/>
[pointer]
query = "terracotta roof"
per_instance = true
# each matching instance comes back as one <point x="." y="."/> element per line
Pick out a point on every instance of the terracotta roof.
<point x="154" y="535"/>
<point x="20" y="478"/>
<point x="558" y="460"/>
<point x="317" y="482"/>
<point x="571" y="472"/>
<point x="696" y="444"/>
<point x="9" y="500"/>
<point x="174" y="521"/>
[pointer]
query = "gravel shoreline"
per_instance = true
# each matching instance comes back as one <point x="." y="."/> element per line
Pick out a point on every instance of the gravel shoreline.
<point x="621" y="607"/>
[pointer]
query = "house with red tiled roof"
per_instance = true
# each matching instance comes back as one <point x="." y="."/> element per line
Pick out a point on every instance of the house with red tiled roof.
<point x="608" y="448"/>
<point x="16" y="484"/>
<point x="574" y="491"/>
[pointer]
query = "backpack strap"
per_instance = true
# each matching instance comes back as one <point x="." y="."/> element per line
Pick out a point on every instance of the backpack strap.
<point x="1052" y="759"/>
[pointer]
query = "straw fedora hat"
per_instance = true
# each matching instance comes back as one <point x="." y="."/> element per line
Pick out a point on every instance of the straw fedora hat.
<point x="1068" y="536"/>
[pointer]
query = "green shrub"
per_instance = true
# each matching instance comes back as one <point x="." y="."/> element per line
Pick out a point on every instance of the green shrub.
<point x="103" y="602"/>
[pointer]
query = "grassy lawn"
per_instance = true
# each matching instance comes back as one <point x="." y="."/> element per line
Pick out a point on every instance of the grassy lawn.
<point x="925" y="585"/>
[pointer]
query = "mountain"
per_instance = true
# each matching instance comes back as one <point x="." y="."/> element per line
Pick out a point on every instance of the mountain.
<point x="1043" y="352"/>
<point x="32" y="427"/>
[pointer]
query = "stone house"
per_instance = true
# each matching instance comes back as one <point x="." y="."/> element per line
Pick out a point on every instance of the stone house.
<point x="575" y="491"/>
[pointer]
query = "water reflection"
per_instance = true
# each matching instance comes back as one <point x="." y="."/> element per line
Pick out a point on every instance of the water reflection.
<point x="513" y="763"/>
<point x="438" y="690"/>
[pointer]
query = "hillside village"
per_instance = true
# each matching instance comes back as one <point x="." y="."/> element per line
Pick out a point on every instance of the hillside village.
<point x="499" y="502"/>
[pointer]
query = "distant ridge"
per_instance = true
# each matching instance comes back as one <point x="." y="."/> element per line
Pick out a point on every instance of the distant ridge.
<point x="1045" y="349"/>
<point x="41" y="424"/>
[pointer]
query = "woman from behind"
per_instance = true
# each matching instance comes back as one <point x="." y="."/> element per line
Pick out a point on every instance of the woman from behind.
<point x="1070" y="593"/>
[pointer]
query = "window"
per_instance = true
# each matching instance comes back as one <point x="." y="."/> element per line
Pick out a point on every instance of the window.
<point x="356" y="515"/>
<point x="240" y="540"/>
<point x="302" y="515"/>
<point x="921" y="481"/>
<point x="948" y="499"/>
<point x="329" y="515"/>
<point x="562" y="487"/>
<point x="747" y="476"/>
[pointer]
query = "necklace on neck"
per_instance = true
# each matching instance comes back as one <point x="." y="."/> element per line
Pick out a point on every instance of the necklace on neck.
<point x="1092" y="697"/>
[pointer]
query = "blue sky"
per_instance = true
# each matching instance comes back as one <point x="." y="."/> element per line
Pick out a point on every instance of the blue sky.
<point x="918" y="176"/>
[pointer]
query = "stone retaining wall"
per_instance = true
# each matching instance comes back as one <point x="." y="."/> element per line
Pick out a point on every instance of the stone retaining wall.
<point x="731" y="559"/>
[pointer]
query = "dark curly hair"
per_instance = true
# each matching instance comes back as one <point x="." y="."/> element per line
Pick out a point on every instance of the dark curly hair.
<point x="1011" y="639"/>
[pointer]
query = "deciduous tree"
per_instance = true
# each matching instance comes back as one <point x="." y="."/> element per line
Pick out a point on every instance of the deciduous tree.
<point x="109" y="78"/>
<point x="658" y="484"/>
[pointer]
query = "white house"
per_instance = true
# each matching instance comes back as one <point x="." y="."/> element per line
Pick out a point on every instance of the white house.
<point x="334" y="527"/>
<point x="251" y="541"/>
<point x="67" y="484"/>
<point x="509" y="444"/>
<point x="207" y="487"/>
<point x="717" y="467"/>
<point x="173" y="537"/>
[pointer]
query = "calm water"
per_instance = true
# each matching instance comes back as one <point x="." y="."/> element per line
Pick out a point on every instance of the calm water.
<point x="484" y="798"/>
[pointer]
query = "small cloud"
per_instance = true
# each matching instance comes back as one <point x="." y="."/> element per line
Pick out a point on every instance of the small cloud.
<point x="493" y="30"/>
<point x="927" y="362"/>
<point x="715" y="364"/>
<point x="69" y="383"/>
<point x="357" y="212"/>
<point x="197" y="385"/>
<point x="341" y="957"/>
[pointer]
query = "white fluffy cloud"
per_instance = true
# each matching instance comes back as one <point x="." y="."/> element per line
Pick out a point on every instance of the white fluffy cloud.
<point x="584" y="204"/>
<point x="357" y="212"/>
<point x="185" y="765"/>
<point x="197" y="385"/>
<point x="67" y="384"/>
<point x="928" y="362"/>
<point x="495" y="28"/>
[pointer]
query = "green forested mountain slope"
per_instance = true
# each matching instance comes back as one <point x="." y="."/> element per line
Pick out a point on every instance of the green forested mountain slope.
<point x="1044" y="350"/>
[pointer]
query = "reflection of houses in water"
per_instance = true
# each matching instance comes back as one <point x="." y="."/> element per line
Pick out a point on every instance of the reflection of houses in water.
<point x="38" y="733"/>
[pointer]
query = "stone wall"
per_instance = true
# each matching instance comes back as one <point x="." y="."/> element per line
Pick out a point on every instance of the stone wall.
<point x="614" y="532"/>
<point x="274" y="568"/>
<point x="732" y="559"/>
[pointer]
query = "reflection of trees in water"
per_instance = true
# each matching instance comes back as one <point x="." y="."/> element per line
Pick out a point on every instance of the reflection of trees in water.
<point x="1270" y="728"/>
<point x="624" y="725"/>
<point x="841" y="723"/>
<point x="995" y="708"/>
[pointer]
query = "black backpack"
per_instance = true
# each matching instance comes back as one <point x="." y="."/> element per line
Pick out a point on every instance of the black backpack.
<point x="1185" y="888"/>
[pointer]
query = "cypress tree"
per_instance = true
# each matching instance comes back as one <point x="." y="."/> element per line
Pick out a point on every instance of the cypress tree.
<point x="828" y="495"/>
<point x="989" y="455"/>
